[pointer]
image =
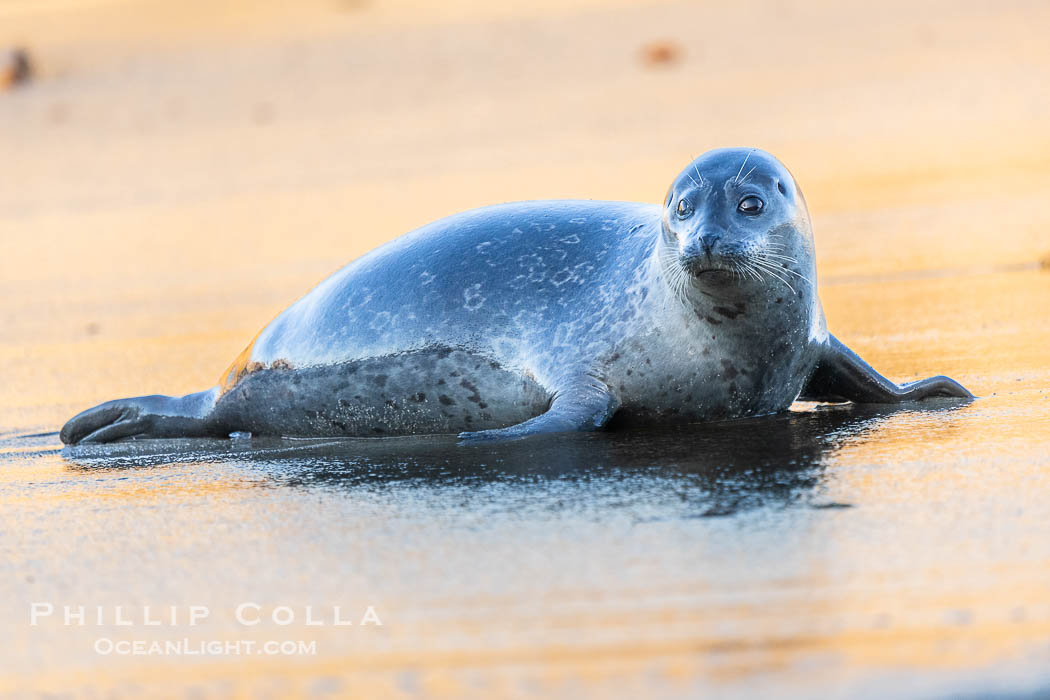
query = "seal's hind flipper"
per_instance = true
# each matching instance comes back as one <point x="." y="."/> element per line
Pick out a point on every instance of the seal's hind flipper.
<point x="108" y="422"/>
<point x="841" y="375"/>
<point x="143" y="416"/>
<point x="587" y="405"/>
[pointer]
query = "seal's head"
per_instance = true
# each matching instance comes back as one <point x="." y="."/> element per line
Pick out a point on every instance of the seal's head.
<point x="735" y="218"/>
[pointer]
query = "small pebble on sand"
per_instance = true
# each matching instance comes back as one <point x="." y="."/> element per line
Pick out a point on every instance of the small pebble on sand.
<point x="15" y="67"/>
<point x="661" y="53"/>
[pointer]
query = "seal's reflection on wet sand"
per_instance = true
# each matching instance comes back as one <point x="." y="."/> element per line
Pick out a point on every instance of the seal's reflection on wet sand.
<point x="719" y="468"/>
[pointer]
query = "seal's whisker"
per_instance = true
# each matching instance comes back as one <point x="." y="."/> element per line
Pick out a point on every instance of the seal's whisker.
<point x="786" y="283"/>
<point x="749" y="173"/>
<point x="698" y="173"/>
<point x="752" y="271"/>
<point x="674" y="287"/>
<point x="675" y="276"/>
<point x="737" y="178"/>
<point x="680" y="284"/>
<point x="758" y="273"/>
<point x="773" y="272"/>
<point x="739" y="271"/>
<point x="777" y="272"/>
<point x="797" y="274"/>
<point x="784" y="268"/>
<point x="765" y="260"/>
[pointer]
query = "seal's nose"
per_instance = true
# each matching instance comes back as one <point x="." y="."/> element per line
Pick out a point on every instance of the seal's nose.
<point x="708" y="243"/>
<point x="700" y="246"/>
<point x="692" y="249"/>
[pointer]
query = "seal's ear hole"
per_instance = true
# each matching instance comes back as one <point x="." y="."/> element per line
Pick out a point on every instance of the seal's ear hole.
<point x="780" y="186"/>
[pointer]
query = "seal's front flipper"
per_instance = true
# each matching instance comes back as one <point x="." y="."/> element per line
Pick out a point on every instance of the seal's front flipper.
<point x="584" y="406"/>
<point x="841" y="375"/>
<point x="143" y="416"/>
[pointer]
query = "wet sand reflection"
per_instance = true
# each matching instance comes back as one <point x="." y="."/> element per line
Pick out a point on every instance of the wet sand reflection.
<point x="718" y="469"/>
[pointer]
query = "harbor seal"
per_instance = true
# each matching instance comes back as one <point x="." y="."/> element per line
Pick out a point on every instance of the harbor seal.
<point x="547" y="316"/>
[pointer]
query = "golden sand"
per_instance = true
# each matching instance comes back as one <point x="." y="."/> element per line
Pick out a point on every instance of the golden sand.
<point x="178" y="172"/>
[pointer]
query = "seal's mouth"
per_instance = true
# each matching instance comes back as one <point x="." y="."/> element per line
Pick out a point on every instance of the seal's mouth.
<point x="699" y="267"/>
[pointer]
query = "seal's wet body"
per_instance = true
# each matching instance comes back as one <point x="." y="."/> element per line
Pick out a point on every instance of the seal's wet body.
<point x="475" y="321"/>
<point x="542" y="316"/>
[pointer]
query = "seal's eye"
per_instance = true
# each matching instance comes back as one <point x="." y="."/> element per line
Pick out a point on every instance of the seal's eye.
<point x="750" y="205"/>
<point x="684" y="209"/>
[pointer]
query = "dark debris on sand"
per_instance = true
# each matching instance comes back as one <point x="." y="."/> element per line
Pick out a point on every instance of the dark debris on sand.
<point x="15" y="67"/>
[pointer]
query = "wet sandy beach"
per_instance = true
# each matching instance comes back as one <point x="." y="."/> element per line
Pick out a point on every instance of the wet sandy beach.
<point x="174" y="177"/>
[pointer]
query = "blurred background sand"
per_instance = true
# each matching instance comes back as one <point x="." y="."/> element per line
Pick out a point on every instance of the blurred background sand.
<point x="176" y="173"/>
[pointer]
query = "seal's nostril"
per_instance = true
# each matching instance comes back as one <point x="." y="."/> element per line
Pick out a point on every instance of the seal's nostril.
<point x="709" y="243"/>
